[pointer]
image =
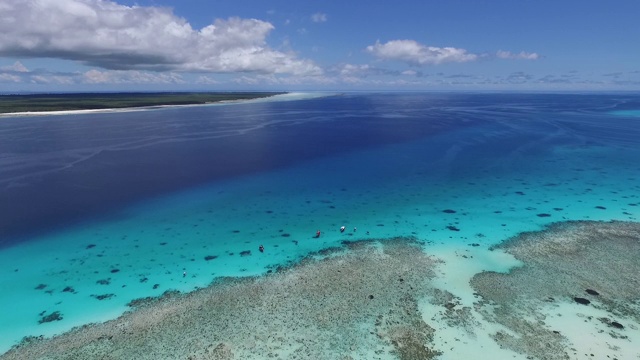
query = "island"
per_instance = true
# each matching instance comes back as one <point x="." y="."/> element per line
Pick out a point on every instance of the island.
<point x="34" y="103"/>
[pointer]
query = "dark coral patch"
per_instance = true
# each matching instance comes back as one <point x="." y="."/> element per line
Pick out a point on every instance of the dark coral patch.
<point x="601" y="207"/>
<point x="41" y="286"/>
<point x="452" y="228"/>
<point x="90" y="246"/>
<point x="54" y="316"/>
<point x="617" y="325"/>
<point x="245" y="253"/>
<point x="68" y="289"/>
<point x="113" y="271"/>
<point x="103" y="282"/>
<point x="103" y="296"/>
<point x="210" y="257"/>
<point x="592" y="292"/>
<point x="543" y="215"/>
<point x="285" y="235"/>
<point x="582" y="301"/>
<point x="449" y="211"/>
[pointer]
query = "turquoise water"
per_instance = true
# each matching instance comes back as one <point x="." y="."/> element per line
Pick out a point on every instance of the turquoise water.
<point x="630" y="113"/>
<point x="517" y="167"/>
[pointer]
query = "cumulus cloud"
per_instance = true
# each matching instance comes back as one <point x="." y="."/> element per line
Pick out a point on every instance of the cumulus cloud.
<point x="106" y="34"/>
<point x="52" y="79"/>
<point x="130" y="77"/>
<point x="410" y="73"/>
<point x="16" y="67"/>
<point x="362" y="70"/>
<point x="206" y="80"/>
<point x="319" y="17"/>
<point x="521" y="55"/>
<point x="4" y="78"/>
<point x="414" y="53"/>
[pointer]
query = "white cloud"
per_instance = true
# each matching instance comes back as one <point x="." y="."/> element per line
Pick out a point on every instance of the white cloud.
<point x="410" y="73"/>
<point x="9" y="78"/>
<point x="52" y="79"/>
<point x="319" y="17"/>
<point x="207" y="80"/>
<point x="16" y="67"/>
<point x="352" y="70"/>
<point x="414" y="53"/>
<point x="521" y="55"/>
<point x="106" y="34"/>
<point x="362" y="70"/>
<point x="246" y="80"/>
<point x="130" y="77"/>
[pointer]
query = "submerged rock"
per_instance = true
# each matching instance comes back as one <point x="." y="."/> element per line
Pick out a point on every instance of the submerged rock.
<point x="592" y="292"/>
<point x="582" y="301"/>
<point x="617" y="325"/>
<point x="54" y="316"/>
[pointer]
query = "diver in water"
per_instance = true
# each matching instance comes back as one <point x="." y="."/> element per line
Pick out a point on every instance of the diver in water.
<point x="261" y="248"/>
<point x="342" y="228"/>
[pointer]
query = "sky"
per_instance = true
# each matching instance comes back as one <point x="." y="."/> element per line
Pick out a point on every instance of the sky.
<point x="307" y="45"/>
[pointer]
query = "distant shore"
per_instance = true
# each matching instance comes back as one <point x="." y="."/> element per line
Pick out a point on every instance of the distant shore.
<point x="46" y="104"/>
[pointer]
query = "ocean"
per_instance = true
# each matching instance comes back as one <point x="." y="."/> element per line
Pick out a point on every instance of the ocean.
<point x="99" y="209"/>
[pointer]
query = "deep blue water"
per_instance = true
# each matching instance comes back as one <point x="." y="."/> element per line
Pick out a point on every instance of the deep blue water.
<point x="57" y="170"/>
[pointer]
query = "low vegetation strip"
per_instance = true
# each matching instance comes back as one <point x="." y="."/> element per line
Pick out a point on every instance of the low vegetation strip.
<point x="94" y="101"/>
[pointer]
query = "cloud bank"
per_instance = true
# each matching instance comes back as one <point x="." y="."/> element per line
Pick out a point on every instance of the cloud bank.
<point x="111" y="36"/>
<point x="414" y="53"/>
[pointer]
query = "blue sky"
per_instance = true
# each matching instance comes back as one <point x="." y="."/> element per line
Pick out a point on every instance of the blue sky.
<point x="123" y="45"/>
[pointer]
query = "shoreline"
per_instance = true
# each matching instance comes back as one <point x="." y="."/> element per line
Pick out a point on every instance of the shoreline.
<point x="287" y="96"/>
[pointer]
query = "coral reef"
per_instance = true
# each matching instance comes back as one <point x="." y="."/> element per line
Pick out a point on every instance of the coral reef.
<point x="361" y="302"/>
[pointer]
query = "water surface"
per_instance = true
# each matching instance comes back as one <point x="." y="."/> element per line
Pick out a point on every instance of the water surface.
<point x="99" y="209"/>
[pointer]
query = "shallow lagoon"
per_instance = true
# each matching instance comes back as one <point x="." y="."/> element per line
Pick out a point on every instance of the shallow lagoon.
<point x="152" y="201"/>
